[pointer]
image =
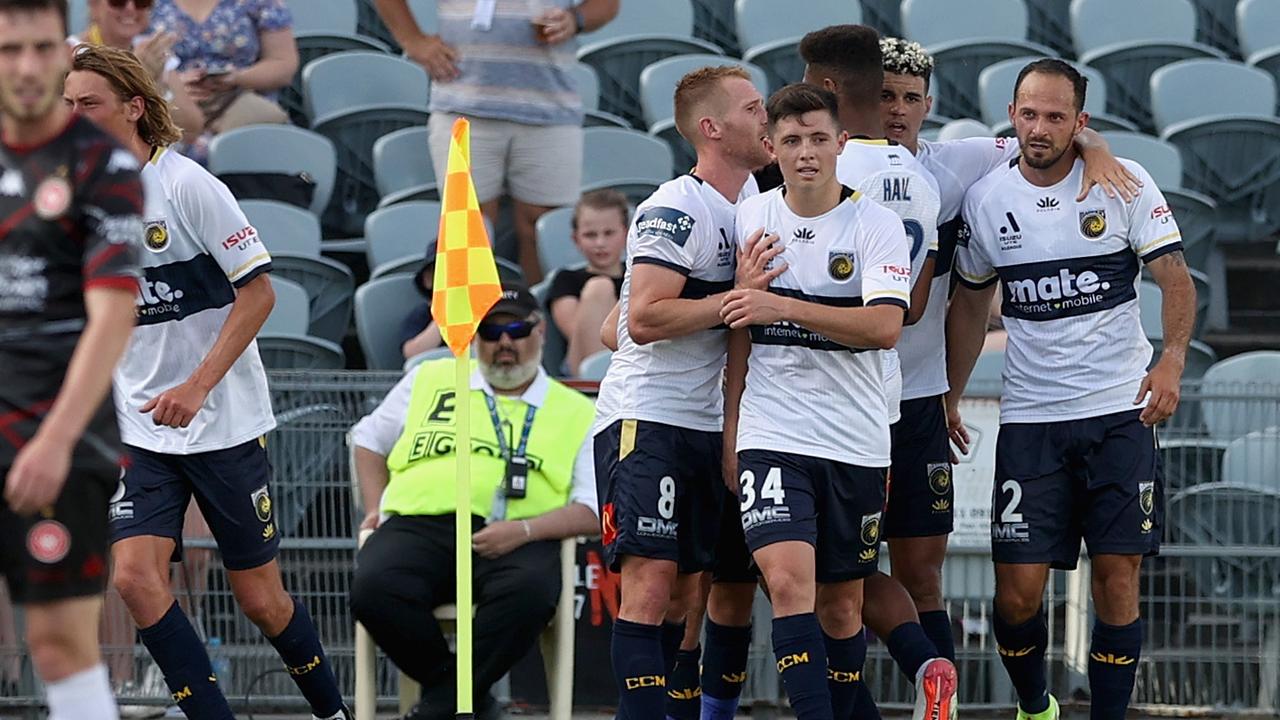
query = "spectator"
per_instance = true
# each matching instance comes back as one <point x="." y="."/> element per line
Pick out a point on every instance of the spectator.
<point x="508" y="72"/>
<point x="233" y="56"/>
<point x="418" y="331"/>
<point x="124" y="25"/>
<point x="581" y="297"/>
<point x="405" y="463"/>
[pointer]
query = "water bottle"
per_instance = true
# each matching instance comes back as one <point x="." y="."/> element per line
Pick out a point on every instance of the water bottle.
<point x="221" y="663"/>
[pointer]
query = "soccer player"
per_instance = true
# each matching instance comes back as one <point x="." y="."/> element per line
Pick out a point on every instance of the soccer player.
<point x="191" y="398"/>
<point x="846" y="59"/>
<point x="71" y="204"/>
<point x="812" y="423"/>
<point x="659" y="411"/>
<point x="1076" y="454"/>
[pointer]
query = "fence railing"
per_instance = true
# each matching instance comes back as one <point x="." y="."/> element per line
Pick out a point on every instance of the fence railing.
<point x="1211" y="600"/>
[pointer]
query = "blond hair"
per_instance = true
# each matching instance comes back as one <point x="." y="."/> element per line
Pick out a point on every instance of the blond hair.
<point x="129" y="79"/>
<point x="695" y="90"/>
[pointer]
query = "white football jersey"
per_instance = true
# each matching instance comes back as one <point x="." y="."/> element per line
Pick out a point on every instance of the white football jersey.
<point x="891" y="176"/>
<point x="687" y="226"/>
<point x="806" y="394"/>
<point x="1069" y="277"/>
<point x="197" y="249"/>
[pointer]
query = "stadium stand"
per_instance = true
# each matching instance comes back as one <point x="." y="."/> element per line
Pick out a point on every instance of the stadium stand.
<point x="770" y="32"/>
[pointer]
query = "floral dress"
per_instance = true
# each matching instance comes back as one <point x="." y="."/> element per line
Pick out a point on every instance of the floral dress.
<point x="229" y="38"/>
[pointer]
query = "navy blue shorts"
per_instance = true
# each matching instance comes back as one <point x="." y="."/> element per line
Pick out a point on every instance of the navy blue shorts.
<point x="921" y="498"/>
<point x="834" y="507"/>
<point x="61" y="554"/>
<point x="664" y="494"/>
<point x="1096" y="479"/>
<point x="231" y="486"/>
<point x="733" y="562"/>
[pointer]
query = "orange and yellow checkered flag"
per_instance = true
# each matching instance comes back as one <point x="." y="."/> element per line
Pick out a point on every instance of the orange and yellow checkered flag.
<point x="466" y="279"/>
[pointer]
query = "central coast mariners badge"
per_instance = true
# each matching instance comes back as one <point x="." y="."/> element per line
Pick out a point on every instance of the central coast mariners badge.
<point x="1093" y="223"/>
<point x="840" y="265"/>
<point x="156" y="237"/>
<point x="939" y="477"/>
<point x="262" y="504"/>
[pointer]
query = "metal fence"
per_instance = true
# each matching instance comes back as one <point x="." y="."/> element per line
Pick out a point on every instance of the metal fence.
<point x="1211" y="600"/>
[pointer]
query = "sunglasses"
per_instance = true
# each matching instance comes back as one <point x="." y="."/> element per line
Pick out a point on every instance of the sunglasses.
<point x="492" y="332"/>
<point x="140" y="4"/>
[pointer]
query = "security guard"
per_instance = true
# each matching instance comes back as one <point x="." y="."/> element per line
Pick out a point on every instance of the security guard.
<point x="533" y="482"/>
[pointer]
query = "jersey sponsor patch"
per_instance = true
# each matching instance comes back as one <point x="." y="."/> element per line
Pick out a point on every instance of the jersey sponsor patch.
<point x="666" y="223"/>
<point x="180" y="289"/>
<point x="1071" y="287"/>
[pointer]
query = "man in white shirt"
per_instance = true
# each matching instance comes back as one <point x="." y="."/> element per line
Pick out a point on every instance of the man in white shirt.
<point x="812" y="417"/>
<point x="1076" y="456"/>
<point x="533" y="483"/>
<point x="191" y="399"/>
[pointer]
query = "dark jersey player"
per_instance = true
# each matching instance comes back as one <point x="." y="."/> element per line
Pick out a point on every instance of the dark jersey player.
<point x="70" y="220"/>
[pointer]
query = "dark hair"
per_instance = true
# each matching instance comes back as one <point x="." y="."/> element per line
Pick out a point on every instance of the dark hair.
<point x="1054" y="66"/>
<point x="799" y="98"/>
<point x="59" y="6"/>
<point x="850" y="55"/>
<point x="606" y="199"/>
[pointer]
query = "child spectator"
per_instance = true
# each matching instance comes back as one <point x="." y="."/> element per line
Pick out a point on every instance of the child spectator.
<point x="581" y="297"/>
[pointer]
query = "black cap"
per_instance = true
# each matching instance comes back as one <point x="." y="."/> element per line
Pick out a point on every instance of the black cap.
<point x="516" y="300"/>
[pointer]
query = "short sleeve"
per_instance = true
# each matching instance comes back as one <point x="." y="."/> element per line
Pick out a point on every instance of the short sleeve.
<point x="583" y="487"/>
<point x="217" y="222"/>
<point x="886" y="261"/>
<point x="1153" y="231"/>
<point x="666" y="236"/>
<point x="566" y="283"/>
<point x="415" y="322"/>
<point x="111" y="196"/>
<point x="271" y="15"/>
<point x="972" y="265"/>
<point x="379" y="430"/>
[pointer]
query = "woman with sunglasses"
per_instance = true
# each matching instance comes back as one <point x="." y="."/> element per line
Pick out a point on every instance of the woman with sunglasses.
<point x="123" y="24"/>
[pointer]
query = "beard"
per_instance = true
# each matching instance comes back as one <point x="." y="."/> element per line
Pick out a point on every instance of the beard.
<point x="509" y="377"/>
<point x="1047" y="161"/>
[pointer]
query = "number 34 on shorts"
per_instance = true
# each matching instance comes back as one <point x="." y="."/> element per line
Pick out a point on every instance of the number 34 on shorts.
<point x="771" y="508"/>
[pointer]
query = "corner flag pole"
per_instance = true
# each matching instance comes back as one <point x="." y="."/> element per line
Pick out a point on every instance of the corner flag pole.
<point x="466" y="286"/>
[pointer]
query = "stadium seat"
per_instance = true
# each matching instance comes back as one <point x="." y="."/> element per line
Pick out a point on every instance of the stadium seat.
<point x="684" y="158"/>
<point x="883" y="15"/>
<point x="588" y="84"/>
<point x="329" y="285"/>
<point x="400" y="231"/>
<point x="770" y="32"/>
<point x="369" y="24"/>
<point x="291" y="314"/>
<point x="554" y="344"/>
<point x="987" y="378"/>
<point x="594" y="366"/>
<point x="439" y="353"/>
<point x="613" y="156"/>
<point x="284" y="228"/>
<point x="380" y="306"/>
<point x="555" y="240"/>
<point x="336" y="83"/>
<point x="1233" y="154"/>
<point x="658" y="82"/>
<point x="292" y="151"/>
<point x="964" y="38"/>
<point x="1150" y="304"/>
<point x="1195" y="212"/>
<point x="329" y="16"/>
<point x="1216" y="25"/>
<point x="319" y="29"/>
<point x="402" y="164"/>
<point x="1127" y="41"/>
<point x="1238" y="392"/>
<point x="1049" y="23"/>
<point x="932" y="125"/>
<point x="713" y="21"/>
<point x="995" y="90"/>
<point x="1259" y="33"/>
<point x="963" y="128"/>
<point x="286" y="351"/>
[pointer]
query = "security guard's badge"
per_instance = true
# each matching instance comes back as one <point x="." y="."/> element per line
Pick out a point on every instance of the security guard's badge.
<point x="262" y="504"/>
<point x="156" y="237"/>
<point x="840" y="265"/>
<point x="516" y="484"/>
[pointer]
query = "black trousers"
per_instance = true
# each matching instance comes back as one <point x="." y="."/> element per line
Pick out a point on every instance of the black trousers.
<point x="406" y="569"/>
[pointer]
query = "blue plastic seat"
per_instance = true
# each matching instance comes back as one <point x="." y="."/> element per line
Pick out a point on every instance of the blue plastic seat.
<point x="293" y="150"/>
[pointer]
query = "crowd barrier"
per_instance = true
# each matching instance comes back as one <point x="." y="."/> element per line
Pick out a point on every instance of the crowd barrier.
<point x="1211" y="600"/>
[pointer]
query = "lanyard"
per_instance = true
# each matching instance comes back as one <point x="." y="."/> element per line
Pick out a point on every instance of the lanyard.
<point x="502" y="436"/>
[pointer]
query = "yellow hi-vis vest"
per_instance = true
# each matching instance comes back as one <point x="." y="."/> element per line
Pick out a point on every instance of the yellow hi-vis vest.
<point x="422" y="463"/>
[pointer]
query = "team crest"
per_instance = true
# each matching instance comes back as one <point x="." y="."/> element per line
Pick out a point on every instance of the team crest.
<point x="156" y="237"/>
<point x="840" y="265"/>
<point x="1147" y="497"/>
<point x="1093" y="223"/>
<point x="262" y="504"/>
<point x="939" y="478"/>
<point x="871" y="529"/>
<point x="52" y="198"/>
<point x="48" y="541"/>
